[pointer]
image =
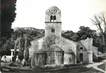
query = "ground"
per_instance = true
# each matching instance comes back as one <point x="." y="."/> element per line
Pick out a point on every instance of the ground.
<point x="102" y="66"/>
<point x="63" y="69"/>
<point x="79" y="68"/>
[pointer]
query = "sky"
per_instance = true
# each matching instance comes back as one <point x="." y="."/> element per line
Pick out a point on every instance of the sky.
<point x="75" y="13"/>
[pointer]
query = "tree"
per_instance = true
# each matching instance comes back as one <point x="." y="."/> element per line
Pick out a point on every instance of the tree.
<point x="7" y="15"/>
<point x="85" y="32"/>
<point x="71" y="35"/>
<point x="26" y="47"/>
<point x="100" y="21"/>
<point x="23" y="43"/>
<point x="19" y="44"/>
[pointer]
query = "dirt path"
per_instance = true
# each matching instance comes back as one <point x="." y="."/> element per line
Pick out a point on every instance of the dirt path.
<point x="95" y="66"/>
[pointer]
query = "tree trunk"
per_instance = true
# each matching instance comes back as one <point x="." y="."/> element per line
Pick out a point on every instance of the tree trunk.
<point x="0" y="63"/>
<point x="104" y="43"/>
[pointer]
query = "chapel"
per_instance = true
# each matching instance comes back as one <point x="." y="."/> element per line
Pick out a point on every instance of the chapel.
<point x="53" y="48"/>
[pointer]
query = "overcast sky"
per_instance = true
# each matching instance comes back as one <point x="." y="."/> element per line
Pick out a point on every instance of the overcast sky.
<point x="75" y="13"/>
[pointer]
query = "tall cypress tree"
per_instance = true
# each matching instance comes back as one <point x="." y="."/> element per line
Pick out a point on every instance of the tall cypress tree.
<point x="7" y="16"/>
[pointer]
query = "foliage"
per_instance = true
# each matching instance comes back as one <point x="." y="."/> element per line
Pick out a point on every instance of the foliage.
<point x="5" y="46"/>
<point x="85" y="32"/>
<point x="7" y="16"/>
<point x="71" y="35"/>
<point x="23" y="38"/>
<point x="99" y="21"/>
<point x="29" y="31"/>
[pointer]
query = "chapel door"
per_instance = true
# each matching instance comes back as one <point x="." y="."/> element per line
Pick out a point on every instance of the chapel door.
<point x="81" y="55"/>
<point x="50" y="58"/>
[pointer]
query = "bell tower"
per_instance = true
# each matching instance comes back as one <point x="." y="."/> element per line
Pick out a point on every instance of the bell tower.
<point x="53" y="21"/>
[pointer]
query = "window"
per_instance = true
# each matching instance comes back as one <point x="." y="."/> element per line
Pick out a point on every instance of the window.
<point x="52" y="18"/>
<point x="81" y="48"/>
<point x="53" y="30"/>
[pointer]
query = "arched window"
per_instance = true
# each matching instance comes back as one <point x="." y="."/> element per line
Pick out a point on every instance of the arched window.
<point x="52" y="18"/>
<point x="81" y="48"/>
